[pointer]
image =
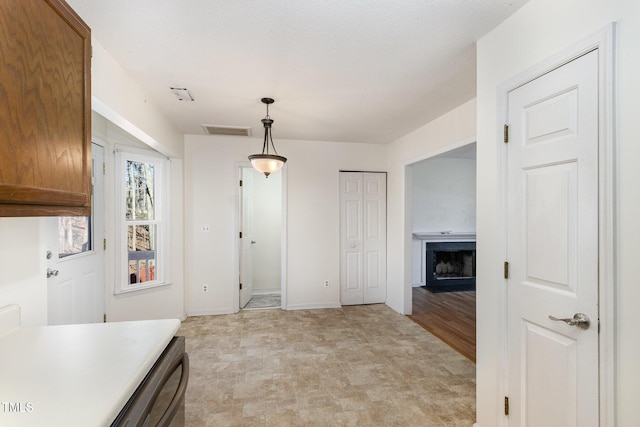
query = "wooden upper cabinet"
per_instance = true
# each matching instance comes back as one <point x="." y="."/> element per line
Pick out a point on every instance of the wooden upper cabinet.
<point x="45" y="109"/>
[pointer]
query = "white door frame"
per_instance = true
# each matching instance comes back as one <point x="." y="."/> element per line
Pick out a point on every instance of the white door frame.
<point x="603" y="41"/>
<point x="98" y="234"/>
<point x="238" y="226"/>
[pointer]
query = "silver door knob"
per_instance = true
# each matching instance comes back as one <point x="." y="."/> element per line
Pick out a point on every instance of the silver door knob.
<point x="51" y="272"/>
<point x="580" y="320"/>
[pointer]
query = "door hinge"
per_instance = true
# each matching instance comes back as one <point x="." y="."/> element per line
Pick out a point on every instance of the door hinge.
<point x="104" y="244"/>
<point x="104" y="318"/>
<point x="104" y="168"/>
<point x="506" y="269"/>
<point x="506" y="405"/>
<point x="240" y="183"/>
<point x="240" y="286"/>
<point x="241" y="234"/>
<point x="506" y="134"/>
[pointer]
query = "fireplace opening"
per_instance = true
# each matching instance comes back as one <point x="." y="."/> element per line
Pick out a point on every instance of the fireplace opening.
<point x="450" y="266"/>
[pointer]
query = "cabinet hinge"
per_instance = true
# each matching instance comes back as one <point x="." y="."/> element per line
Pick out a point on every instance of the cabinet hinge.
<point x="240" y="183"/>
<point x="506" y="405"/>
<point x="506" y="134"/>
<point x="241" y="234"/>
<point x="104" y="169"/>
<point x="104" y="318"/>
<point x="240" y="286"/>
<point x="506" y="269"/>
<point x="104" y="244"/>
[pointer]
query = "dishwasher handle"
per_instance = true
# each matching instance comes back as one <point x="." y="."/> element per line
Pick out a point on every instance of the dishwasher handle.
<point x="173" y="407"/>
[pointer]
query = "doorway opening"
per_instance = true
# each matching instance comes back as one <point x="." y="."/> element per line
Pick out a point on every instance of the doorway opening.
<point x="261" y="230"/>
<point x="443" y="205"/>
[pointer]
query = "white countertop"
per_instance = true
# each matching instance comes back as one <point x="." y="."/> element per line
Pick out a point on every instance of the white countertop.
<point x="76" y="375"/>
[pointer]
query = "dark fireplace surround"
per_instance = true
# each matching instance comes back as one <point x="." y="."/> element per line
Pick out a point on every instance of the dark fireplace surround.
<point x="450" y="266"/>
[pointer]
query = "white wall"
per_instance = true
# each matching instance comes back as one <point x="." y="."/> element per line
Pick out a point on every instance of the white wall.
<point x="23" y="268"/>
<point x="537" y="31"/>
<point x="156" y="303"/>
<point x="312" y="243"/>
<point x="452" y="130"/>
<point x="444" y="195"/>
<point x="267" y="231"/>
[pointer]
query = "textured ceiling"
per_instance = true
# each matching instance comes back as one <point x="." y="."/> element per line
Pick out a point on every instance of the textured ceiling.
<point x="339" y="70"/>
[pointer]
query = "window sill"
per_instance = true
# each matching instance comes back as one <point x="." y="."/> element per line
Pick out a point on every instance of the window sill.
<point x="140" y="287"/>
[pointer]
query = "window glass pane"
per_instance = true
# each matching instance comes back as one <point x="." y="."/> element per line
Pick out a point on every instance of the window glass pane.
<point x="74" y="235"/>
<point x="141" y="244"/>
<point x="140" y="190"/>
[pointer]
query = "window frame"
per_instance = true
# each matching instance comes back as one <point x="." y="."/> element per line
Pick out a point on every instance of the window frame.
<point x="161" y="219"/>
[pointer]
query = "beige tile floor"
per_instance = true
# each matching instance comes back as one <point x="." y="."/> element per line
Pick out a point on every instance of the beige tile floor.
<point x="351" y="366"/>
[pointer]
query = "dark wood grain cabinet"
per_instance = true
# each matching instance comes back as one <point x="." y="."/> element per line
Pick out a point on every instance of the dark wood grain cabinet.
<point x="45" y="109"/>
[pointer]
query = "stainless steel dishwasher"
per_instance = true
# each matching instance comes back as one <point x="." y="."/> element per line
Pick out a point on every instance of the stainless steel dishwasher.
<point x="159" y="399"/>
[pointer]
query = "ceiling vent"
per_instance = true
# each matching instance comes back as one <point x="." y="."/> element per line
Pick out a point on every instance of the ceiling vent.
<point x="227" y="130"/>
<point x="182" y="93"/>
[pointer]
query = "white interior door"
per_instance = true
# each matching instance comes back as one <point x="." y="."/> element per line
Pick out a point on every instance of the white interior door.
<point x="246" y="241"/>
<point x="75" y="251"/>
<point x="552" y="247"/>
<point x="363" y="238"/>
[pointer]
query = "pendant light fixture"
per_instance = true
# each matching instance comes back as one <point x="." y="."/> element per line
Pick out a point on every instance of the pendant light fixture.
<point x="267" y="162"/>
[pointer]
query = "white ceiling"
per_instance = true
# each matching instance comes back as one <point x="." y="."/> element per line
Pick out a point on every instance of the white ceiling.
<point x="339" y="70"/>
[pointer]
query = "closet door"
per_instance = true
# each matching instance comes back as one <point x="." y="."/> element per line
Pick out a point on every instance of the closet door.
<point x="363" y="238"/>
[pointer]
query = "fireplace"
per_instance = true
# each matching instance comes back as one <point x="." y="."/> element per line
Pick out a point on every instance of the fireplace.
<point x="450" y="266"/>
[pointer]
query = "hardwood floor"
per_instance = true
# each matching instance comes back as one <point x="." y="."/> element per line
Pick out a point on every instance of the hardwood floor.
<point x="450" y="316"/>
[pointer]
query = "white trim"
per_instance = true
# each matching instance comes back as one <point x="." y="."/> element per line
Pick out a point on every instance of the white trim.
<point x="604" y="42"/>
<point x="283" y="244"/>
<point x="120" y="148"/>
<point x="314" y="306"/>
<point x="209" y="312"/>
<point x="162" y="221"/>
<point x="266" y="292"/>
<point x="441" y="236"/>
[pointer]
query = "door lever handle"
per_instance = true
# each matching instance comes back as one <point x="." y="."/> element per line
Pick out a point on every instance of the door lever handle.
<point x="51" y="273"/>
<point x="580" y="320"/>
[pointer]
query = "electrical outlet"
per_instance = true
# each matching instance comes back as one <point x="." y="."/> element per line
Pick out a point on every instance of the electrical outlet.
<point x="326" y="283"/>
<point x="205" y="288"/>
<point x="205" y="228"/>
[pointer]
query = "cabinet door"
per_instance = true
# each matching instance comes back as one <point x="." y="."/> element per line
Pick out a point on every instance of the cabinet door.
<point x="45" y="109"/>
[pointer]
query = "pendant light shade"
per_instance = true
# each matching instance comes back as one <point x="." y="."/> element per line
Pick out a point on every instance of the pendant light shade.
<point x="267" y="162"/>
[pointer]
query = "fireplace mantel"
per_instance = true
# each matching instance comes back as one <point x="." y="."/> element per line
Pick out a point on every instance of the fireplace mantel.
<point x="445" y="236"/>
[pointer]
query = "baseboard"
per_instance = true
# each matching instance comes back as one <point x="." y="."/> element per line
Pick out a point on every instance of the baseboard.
<point x="313" y="306"/>
<point x="266" y="291"/>
<point x="206" y="312"/>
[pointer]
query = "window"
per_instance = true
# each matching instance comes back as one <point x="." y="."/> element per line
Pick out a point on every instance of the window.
<point x="74" y="235"/>
<point x="142" y="245"/>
